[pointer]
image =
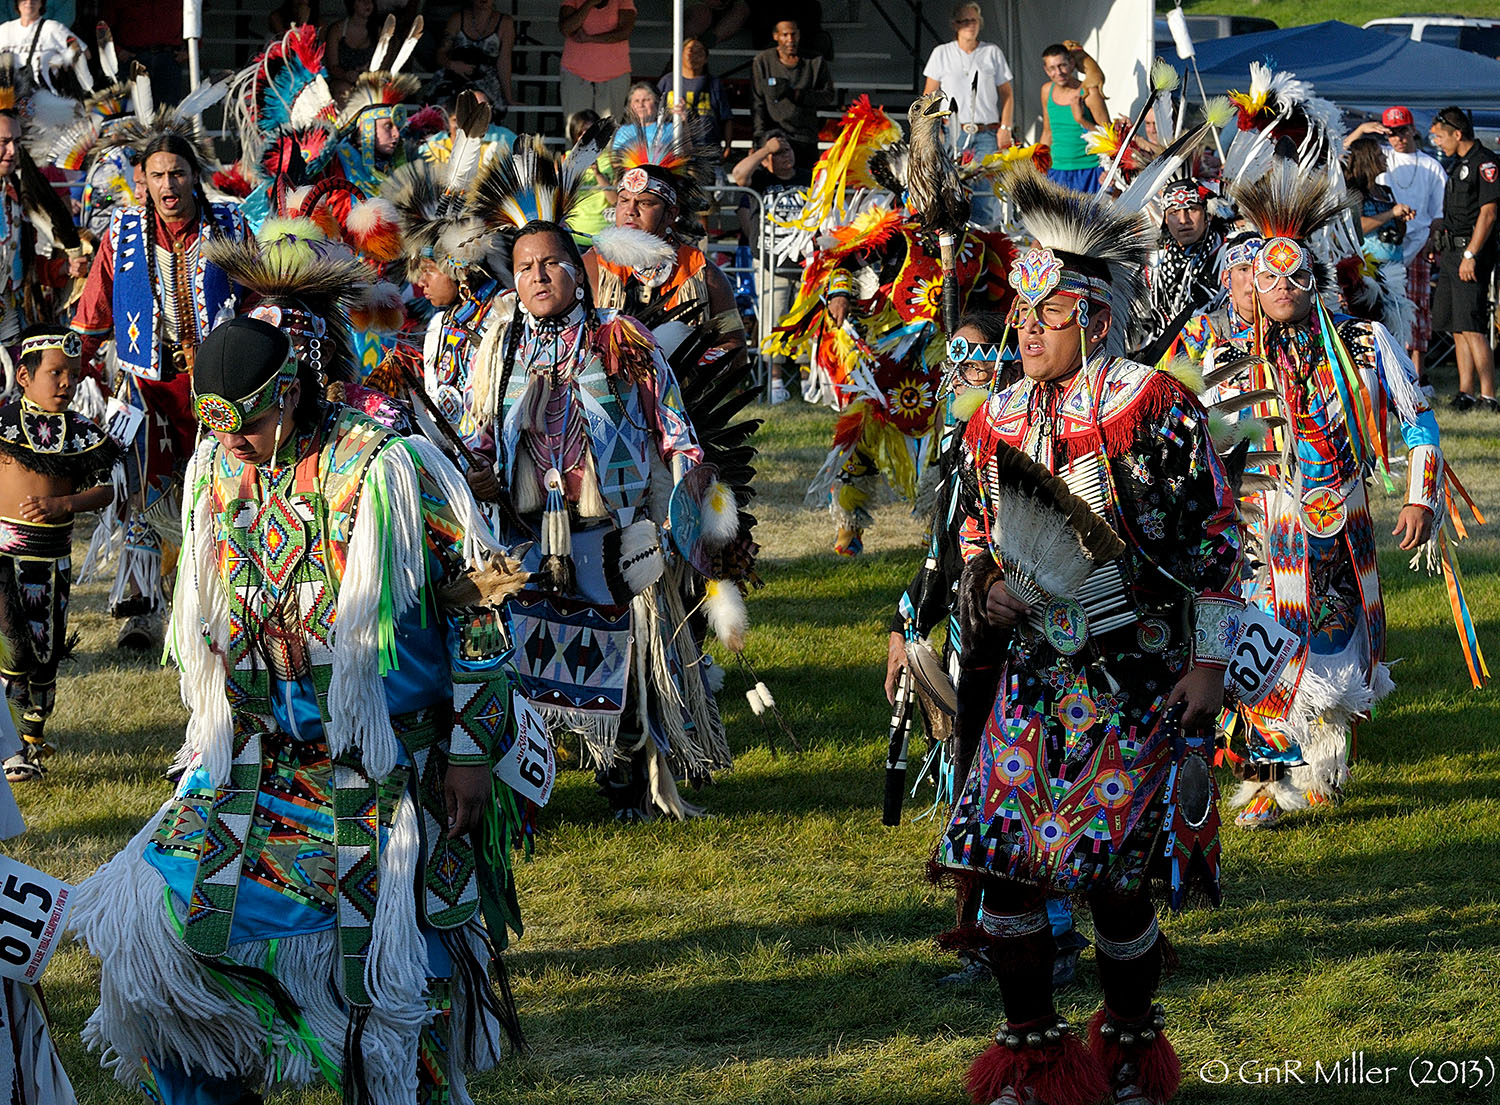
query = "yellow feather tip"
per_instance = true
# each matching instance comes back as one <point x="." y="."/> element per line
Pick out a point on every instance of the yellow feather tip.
<point x="1218" y="111"/>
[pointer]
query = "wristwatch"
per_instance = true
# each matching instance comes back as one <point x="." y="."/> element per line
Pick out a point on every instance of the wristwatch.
<point x="1468" y="255"/>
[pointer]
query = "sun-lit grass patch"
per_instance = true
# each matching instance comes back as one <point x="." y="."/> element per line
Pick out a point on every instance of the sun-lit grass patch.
<point x="780" y="951"/>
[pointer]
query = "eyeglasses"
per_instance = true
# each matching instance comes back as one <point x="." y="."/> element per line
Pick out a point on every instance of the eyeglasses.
<point x="975" y="373"/>
<point x="1058" y="312"/>
<point x="1302" y="280"/>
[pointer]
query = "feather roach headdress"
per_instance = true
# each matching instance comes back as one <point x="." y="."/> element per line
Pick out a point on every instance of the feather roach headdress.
<point x="304" y="284"/>
<point x="1099" y="249"/>
<point x="528" y="183"/>
<point x="284" y="90"/>
<point x="134" y="131"/>
<point x="437" y="203"/>
<point x="1291" y="209"/>
<point x="674" y="161"/>
<point x="1281" y="117"/>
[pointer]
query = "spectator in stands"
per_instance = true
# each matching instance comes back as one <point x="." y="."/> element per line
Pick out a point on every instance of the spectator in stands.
<point x="37" y="43"/>
<point x="1466" y="236"/>
<point x="351" y="45"/>
<point x="1417" y="180"/>
<point x="596" y="53"/>
<point x="703" y="94"/>
<point x="977" y="76"/>
<point x="641" y="114"/>
<point x="142" y="33"/>
<point x="477" y="45"/>
<point x="292" y="13"/>
<point x="787" y="89"/>
<point x="773" y="164"/>
<point x="1068" y="108"/>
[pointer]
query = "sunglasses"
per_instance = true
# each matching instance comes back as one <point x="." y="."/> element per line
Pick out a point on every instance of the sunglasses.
<point x="965" y="22"/>
<point x="1301" y="280"/>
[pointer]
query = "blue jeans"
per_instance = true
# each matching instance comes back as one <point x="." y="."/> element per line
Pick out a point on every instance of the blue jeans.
<point x="984" y="204"/>
<point x="1080" y="180"/>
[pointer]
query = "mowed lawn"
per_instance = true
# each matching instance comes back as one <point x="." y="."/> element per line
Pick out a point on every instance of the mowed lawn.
<point x="780" y="950"/>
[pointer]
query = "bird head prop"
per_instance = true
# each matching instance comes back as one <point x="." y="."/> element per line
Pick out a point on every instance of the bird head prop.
<point x="934" y="191"/>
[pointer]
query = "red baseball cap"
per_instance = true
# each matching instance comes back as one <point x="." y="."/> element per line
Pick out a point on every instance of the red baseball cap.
<point x="1397" y="116"/>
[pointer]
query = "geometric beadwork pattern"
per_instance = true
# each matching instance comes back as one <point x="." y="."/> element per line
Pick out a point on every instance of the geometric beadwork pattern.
<point x="571" y="655"/>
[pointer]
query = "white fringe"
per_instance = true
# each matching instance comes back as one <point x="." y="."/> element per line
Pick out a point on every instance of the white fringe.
<point x="200" y="615"/>
<point x="109" y="534"/>
<point x="154" y="999"/>
<point x="396" y="971"/>
<point x="377" y="558"/>
<point x="480" y="542"/>
<point x="1400" y="375"/>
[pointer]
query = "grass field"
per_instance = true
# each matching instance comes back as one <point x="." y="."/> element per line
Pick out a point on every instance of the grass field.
<point x="781" y="951"/>
<point x="1294" y="13"/>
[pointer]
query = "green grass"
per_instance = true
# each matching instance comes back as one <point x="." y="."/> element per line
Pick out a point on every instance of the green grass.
<point x="781" y="951"/>
<point x="1295" y="13"/>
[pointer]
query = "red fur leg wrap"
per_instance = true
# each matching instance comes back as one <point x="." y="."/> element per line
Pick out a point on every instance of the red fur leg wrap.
<point x="964" y="938"/>
<point x="1064" y="1073"/>
<point x="1158" y="1072"/>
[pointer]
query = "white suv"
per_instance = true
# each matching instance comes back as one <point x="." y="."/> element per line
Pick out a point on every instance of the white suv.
<point x="1478" y="36"/>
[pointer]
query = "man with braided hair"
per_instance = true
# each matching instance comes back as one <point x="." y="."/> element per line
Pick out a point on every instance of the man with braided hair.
<point x="1105" y="687"/>
<point x="155" y="294"/>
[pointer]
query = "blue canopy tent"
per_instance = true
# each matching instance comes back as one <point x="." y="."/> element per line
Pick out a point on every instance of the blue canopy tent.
<point x="1362" y="71"/>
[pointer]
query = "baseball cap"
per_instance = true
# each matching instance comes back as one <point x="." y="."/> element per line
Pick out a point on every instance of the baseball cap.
<point x="1397" y="116"/>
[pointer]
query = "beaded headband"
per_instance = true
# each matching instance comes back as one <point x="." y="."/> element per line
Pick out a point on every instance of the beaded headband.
<point x="70" y="343"/>
<point x="1039" y="273"/>
<point x="1240" y="253"/>
<point x="637" y="180"/>
<point x="1175" y="197"/>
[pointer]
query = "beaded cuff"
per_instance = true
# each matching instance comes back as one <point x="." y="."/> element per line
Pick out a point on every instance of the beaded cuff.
<point x="1216" y="625"/>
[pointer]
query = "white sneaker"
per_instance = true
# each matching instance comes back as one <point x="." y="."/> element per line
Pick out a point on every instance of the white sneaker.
<point x="779" y="393"/>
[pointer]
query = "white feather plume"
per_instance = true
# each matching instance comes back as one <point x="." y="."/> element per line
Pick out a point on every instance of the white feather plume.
<point x="624" y="245"/>
<point x="724" y="608"/>
<point x="719" y="516"/>
<point x="1037" y="543"/>
<point x="383" y="46"/>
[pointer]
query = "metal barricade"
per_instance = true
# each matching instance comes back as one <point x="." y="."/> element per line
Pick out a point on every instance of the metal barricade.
<point x="775" y="286"/>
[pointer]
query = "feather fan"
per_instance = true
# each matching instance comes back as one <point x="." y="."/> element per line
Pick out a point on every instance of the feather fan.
<point x="1050" y="540"/>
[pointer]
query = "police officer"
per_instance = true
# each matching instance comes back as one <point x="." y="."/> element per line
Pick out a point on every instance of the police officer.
<point x="1466" y="237"/>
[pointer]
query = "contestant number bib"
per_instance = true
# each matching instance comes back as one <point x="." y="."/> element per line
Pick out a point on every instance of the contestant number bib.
<point x="528" y="768"/>
<point x="1261" y="650"/>
<point x="33" y="913"/>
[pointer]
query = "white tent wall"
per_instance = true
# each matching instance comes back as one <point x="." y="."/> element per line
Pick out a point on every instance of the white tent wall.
<point x="1118" y="33"/>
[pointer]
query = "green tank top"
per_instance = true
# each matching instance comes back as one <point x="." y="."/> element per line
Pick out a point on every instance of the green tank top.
<point x="1068" y="151"/>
